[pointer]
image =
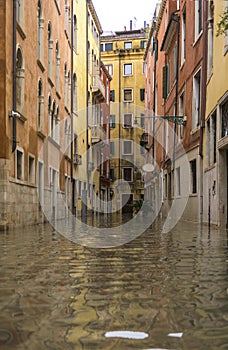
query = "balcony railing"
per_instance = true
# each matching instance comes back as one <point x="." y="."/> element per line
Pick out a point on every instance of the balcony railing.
<point x="98" y="87"/>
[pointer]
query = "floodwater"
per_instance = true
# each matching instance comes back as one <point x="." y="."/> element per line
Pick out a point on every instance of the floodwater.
<point x="159" y="291"/>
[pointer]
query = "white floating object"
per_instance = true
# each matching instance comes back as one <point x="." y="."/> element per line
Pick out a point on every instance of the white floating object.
<point x="126" y="334"/>
<point x="156" y="349"/>
<point x="175" y="335"/>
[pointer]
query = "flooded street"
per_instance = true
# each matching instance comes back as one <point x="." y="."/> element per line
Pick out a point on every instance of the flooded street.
<point x="56" y="294"/>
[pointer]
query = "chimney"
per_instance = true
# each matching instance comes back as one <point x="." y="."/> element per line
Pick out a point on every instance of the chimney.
<point x="130" y="24"/>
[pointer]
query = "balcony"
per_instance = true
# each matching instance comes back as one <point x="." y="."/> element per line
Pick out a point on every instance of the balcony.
<point x="97" y="134"/>
<point x="98" y="88"/>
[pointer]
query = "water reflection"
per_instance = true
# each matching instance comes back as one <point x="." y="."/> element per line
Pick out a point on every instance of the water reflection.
<point x="55" y="294"/>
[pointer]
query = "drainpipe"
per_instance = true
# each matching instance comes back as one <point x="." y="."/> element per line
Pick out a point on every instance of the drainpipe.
<point x="14" y="43"/>
<point x="203" y="102"/>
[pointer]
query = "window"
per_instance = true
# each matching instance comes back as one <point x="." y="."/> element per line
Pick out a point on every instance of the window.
<point x="75" y="94"/>
<point x="106" y="47"/>
<point x="224" y="113"/>
<point x="40" y="182"/>
<point x="198" y="18"/>
<point x="20" y="11"/>
<point x="181" y="113"/>
<point x="57" y="67"/>
<point x="175" y="63"/>
<point x="19" y="164"/>
<point x="142" y="120"/>
<point x="40" y="106"/>
<point x="210" y="49"/>
<point x="109" y="68"/>
<point x="112" y="174"/>
<point x="50" y="47"/>
<point x="31" y="169"/>
<point x="143" y="44"/>
<point x="165" y="81"/>
<point x="112" y="148"/>
<point x="178" y="182"/>
<point x="112" y="95"/>
<point x="75" y="33"/>
<point x="127" y="120"/>
<point x="142" y="94"/>
<point x="193" y="176"/>
<point x="67" y="19"/>
<point x="128" y="69"/>
<point x="127" y="147"/>
<point x="127" y="95"/>
<point x="196" y="101"/>
<point x="112" y="121"/>
<point x="128" y="174"/>
<point x="40" y="29"/>
<point x="20" y="82"/>
<point x="183" y="36"/>
<point x="128" y="45"/>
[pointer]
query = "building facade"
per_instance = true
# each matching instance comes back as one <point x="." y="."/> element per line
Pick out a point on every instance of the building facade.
<point x="179" y="85"/>
<point x="35" y="100"/>
<point x="122" y="54"/>
<point x="215" y="176"/>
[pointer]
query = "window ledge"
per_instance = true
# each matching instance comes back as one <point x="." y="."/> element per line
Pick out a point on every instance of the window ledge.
<point x="193" y="131"/>
<point x="50" y="82"/>
<point x="21" y="31"/>
<point x="198" y="38"/>
<point x="53" y="142"/>
<point x="57" y="6"/>
<point x="41" y="134"/>
<point x="40" y="64"/>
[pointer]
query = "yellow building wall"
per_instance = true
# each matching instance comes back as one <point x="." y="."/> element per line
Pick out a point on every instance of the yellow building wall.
<point x="79" y="67"/>
<point x="117" y="58"/>
<point x="218" y="83"/>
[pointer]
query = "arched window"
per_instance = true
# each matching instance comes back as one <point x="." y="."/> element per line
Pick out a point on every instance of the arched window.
<point x="40" y="106"/>
<point x="19" y="81"/>
<point x="40" y="31"/>
<point x="57" y="62"/>
<point x="75" y="94"/>
<point x="50" y="47"/>
<point x="75" y="34"/>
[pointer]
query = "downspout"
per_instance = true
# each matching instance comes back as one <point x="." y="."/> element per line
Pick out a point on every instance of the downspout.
<point x="203" y="102"/>
<point x="14" y="87"/>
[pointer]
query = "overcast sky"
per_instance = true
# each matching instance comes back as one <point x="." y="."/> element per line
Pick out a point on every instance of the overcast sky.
<point x="115" y="14"/>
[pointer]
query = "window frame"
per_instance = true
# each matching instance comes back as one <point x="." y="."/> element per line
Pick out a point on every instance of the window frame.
<point x="123" y="145"/>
